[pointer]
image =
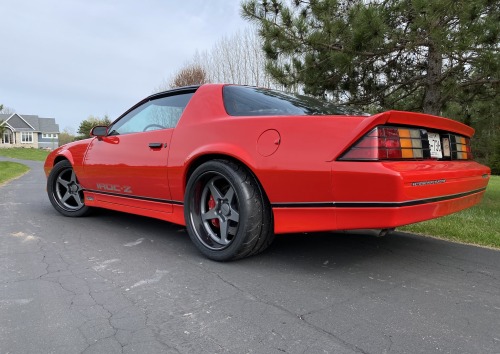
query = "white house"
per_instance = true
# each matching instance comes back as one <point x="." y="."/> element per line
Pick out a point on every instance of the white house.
<point x="29" y="131"/>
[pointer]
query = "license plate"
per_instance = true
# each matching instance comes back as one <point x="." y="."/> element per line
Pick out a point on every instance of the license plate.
<point x="435" y="145"/>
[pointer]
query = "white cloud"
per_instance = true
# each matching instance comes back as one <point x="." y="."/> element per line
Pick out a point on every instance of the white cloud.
<point x="70" y="59"/>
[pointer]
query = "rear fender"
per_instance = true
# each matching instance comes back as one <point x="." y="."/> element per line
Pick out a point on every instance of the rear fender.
<point x="220" y="150"/>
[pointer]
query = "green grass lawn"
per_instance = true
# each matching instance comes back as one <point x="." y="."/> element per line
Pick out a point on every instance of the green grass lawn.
<point x="25" y="153"/>
<point x="478" y="225"/>
<point x="9" y="170"/>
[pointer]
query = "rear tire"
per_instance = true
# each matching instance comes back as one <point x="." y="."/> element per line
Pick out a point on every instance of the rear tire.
<point x="227" y="216"/>
<point x="64" y="191"/>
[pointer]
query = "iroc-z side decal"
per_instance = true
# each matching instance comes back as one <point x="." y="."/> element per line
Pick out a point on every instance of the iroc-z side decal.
<point x="114" y="188"/>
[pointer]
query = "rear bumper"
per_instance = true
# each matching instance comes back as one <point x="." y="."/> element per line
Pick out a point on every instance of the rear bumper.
<point x="349" y="216"/>
<point x="387" y="195"/>
<point x="410" y="212"/>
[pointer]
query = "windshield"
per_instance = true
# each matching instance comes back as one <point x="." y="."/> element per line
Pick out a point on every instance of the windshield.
<point x="254" y="101"/>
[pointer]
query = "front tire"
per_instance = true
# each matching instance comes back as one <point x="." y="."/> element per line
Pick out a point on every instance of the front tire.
<point x="64" y="191"/>
<point x="227" y="216"/>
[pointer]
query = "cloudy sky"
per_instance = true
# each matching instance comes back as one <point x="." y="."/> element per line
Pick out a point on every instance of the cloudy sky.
<point x="74" y="58"/>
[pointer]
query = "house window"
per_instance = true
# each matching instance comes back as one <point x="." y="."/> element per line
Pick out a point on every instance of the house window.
<point x="49" y="135"/>
<point x="26" y="137"/>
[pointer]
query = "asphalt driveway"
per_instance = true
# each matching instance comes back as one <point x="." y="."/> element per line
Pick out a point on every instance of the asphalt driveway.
<point x="113" y="283"/>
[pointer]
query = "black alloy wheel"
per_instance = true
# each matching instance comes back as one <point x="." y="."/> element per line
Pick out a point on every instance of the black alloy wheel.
<point x="64" y="191"/>
<point x="227" y="216"/>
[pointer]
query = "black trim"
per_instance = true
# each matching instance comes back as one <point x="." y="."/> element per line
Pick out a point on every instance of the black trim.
<point x="304" y="205"/>
<point x="316" y="204"/>
<point x="375" y="204"/>
<point x="166" y="201"/>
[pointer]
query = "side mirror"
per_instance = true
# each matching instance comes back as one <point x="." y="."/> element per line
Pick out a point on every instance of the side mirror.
<point x="99" y="131"/>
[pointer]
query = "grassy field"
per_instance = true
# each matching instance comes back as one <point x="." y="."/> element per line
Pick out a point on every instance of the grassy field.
<point x="9" y="170"/>
<point x="479" y="225"/>
<point x="25" y="153"/>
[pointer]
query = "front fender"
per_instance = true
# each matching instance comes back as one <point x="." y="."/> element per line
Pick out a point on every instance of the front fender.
<point x="73" y="152"/>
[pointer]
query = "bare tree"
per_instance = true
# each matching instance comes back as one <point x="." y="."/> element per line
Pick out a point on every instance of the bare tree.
<point x="192" y="74"/>
<point x="66" y="136"/>
<point x="189" y="74"/>
<point x="236" y="59"/>
<point x="3" y="127"/>
<point x="6" y="110"/>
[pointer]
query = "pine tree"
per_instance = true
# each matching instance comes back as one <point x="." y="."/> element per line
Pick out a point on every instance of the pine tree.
<point x="419" y="55"/>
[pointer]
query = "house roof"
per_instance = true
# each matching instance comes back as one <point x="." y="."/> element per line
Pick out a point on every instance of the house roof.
<point x="28" y="122"/>
<point x="48" y="125"/>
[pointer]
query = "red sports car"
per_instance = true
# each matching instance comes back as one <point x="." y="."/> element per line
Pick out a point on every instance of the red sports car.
<point x="238" y="164"/>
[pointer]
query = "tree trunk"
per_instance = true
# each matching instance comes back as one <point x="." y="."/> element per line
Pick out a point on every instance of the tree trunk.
<point x="432" y="97"/>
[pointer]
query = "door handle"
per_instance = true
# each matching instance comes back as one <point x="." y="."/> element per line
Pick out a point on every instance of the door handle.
<point x="156" y="145"/>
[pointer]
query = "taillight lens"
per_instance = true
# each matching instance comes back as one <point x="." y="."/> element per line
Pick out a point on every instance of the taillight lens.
<point x="460" y="148"/>
<point x="402" y="143"/>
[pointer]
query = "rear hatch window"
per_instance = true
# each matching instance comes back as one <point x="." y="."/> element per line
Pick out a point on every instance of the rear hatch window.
<point x="254" y="101"/>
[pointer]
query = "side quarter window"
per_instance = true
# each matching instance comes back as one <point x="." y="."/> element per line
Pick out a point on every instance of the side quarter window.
<point x="157" y="113"/>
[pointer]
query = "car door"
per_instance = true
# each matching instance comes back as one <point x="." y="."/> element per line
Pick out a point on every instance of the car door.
<point x="128" y="166"/>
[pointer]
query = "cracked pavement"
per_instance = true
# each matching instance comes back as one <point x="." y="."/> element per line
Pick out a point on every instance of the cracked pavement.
<point x="118" y="283"/>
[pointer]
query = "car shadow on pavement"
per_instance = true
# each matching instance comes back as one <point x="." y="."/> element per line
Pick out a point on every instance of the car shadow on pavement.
<point x="312" y="251"/>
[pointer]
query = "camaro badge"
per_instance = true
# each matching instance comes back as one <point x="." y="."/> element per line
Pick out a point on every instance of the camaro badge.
<point x="425" y="183"/>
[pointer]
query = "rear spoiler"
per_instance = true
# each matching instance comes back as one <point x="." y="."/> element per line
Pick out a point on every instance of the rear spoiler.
<point x="424" y="121"/>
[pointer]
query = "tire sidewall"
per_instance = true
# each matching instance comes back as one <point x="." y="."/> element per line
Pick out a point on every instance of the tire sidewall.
<point x="51" y="182"/>
<point x="244" y="204"/>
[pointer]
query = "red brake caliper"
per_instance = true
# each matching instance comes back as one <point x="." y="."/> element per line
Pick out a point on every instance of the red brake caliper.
<point x="211" y="205"/>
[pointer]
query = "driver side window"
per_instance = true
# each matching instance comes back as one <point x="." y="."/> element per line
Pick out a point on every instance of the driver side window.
<point x="159" y="113"/>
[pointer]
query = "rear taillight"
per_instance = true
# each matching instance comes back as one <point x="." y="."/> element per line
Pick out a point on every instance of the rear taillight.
<point x="403" y="143"/>
<point x="460" y="148"/>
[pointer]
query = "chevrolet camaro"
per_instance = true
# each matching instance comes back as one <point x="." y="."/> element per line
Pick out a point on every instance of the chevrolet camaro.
<point x="237" y="165"/>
